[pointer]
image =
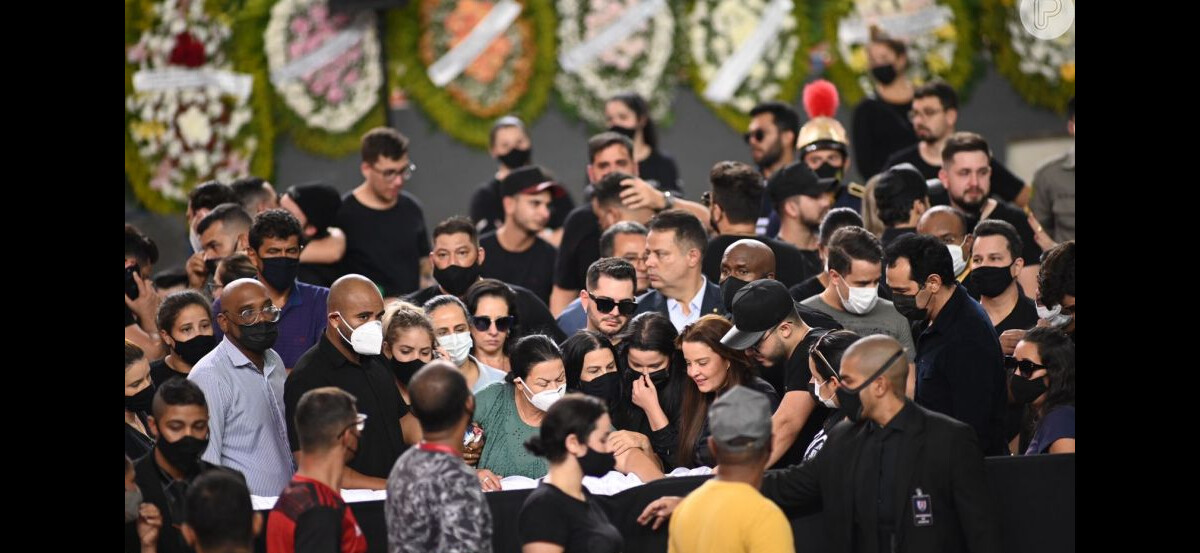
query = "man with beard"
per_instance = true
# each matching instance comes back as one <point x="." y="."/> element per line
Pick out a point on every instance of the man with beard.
<point x="934" y="115"/>
<point x="625" y="240"/>
<point x="802" y="200"/>
<point x="966" y="172"/>
<point x="771" y="135"/>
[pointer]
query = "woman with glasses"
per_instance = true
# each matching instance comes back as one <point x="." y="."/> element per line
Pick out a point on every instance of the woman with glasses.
<point x="492" y="305"/>
<point x="825" y="364"/>
<point x="1043" y="376"/>
<point x="451" y="327"/>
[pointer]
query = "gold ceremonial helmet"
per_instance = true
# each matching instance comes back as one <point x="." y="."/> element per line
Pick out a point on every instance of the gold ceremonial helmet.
<point x="822" y="133"/>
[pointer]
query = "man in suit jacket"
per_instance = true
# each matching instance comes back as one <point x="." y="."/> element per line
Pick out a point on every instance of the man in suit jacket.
<point x="893" y="476"/>
<point x="674" y="263"/>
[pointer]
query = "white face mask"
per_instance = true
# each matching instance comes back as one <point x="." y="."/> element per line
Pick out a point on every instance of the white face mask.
<point x="956" y="255"/>
<point x="1054" y="316"/>
<point x="817" y="392"/>
<point x="458" y="346"/>
<point x="367" y="339"/>
<point x="861" y="300"/>
<point x="544" y="399"/>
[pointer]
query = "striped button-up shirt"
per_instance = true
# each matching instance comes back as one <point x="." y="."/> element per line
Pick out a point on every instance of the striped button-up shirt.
<point x="246" y="429"/>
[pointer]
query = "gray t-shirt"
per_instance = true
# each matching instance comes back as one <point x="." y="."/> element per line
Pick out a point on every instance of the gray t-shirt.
<point x="434" y="503"/>
<point x="882" y="319"/>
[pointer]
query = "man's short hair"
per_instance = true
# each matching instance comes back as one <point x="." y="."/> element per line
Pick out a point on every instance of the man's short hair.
<point x="278" y="224"/>
<point x="689" y="232"/>
<point x="232" y="215"/>
<point x="456" y="225"/>
<point x="176" y="392"/>
<point x="785" y="117"/>
<point x="611" y="267"/>
<point x="218" y="510"/>
<point x="322" y="415"/>
<point x="609" y="238"/>
<point x="996" y="227"/>
<point x="851" y="244"/>
<point x="602" y="141"/>
<point x="439" y="395"/>
<point x="383" y="142"/>
<point x="926" y="256"/>
<point x="738" y="189"/>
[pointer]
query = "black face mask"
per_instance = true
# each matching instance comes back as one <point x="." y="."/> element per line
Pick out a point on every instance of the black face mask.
<point x="907" y="306"/>
<point x="192" y="350"/>
<point x="729" y="287"/>
<point x="828" y="171"/>
<point x="210" y="268"/>
<point x="659" y="378"/>
<point x="595" y="463"/>
<point x="627" y="132"/>
<point x="184" y="453"/>
<point x="280" y="272"/>
<point x="991" y="281"/>
<point x="456" y="279"/>
<point x="259" y="337"/>
<point x="404" y="370"/>
<point x="850" y="401"/>
<point x="516" y="158"/>
<point x="141" y="401"/>
<point x="885" y="74"/>
<point x="1025" y="390"/>
<point x="605" y="387"/>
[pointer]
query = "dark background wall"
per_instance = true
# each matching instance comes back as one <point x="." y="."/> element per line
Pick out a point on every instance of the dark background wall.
<point x="448" y="172"/>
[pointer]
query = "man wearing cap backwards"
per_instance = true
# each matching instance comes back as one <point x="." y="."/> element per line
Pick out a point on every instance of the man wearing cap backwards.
<point x="768" y="327"/>
<point x="727" y="513"/>
<point x="893" y="476"/>
<point x="824" y="145"/>
<point x="802" y="200"/>
<point x="515" y="253"/>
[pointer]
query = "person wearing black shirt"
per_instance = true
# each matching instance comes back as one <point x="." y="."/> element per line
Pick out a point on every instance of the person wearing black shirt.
<point x="894" y="476"/>
<point x="966" y="172"/>
<point x="384" y="224"/>
<point x="628" y="114"/>
<point x="185" y="324"/>
<point x="934" y="114"/>
<point x="348" y="357"/>
<point x="802" y="200"/>
<point x="516" y="255"/>
<point x="881" y="125"/>
<point x="180" y="422"/>
<point x="960" y="368"/>
<point x="768" y="327"/>
<point x="901" y="197"/>
<point x="562" y="515"/>
<point x="995" y="263"/>
<point x="735" y="198"/>
<point x="510" y="145"/>
<point x="457" y="259"/>
<point x="316" y="205"/>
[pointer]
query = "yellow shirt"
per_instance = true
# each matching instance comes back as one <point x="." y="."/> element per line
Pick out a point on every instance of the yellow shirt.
<point x="728" y="517"/>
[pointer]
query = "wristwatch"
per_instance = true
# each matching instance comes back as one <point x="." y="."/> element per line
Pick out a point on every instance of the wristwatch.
<point x="668" y="199"/>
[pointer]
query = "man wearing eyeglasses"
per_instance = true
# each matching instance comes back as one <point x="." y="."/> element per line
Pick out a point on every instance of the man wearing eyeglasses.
<point x="384" y="224"/>
<point x="310" y="514"/>
<point x="934" y="115"/>
<point x="347" y="357"/>
<point x="243" y="380"/>
<point x="609" y="299"/>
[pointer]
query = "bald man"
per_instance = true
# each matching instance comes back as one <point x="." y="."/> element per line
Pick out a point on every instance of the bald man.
<point x="243" y="383"/>
<point x="893" y="476"/>
<point x="348" y="357"/>
<point x="748" y="260"/>
<point x="950" y="226"/>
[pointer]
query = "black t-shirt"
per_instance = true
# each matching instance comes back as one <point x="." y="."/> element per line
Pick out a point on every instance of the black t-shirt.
<point x="551" y="516"/>
<point x="374" y="388"/>
<point x="1023" y="316"/>
<point x="812" y="262"/>
<point x="807" y="289"/>
<point x="487" y="208"/>
<point x="1005" y="185"/>
<point x="532" y="268"/>
<point x="1030" y="251"/>
<point x="791" y="263"/>
<point x="879" y="128"/>
<point x="160" y="372"/>
<point x="796" y="379"/>
<point x="385" y="246"/>
<point x="892" y="233"/>
<point x="319" y="274"/>
<point x="580" y="248"/>
<point x="660" y="171"/>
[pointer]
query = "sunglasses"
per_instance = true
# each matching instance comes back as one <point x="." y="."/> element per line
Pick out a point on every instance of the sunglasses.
<point x="1024" y="367"/>
<point x="757" y="135"/>
<point x="503" y="324"/>
<point x="605" y="305"/>
<point x="815" y="352"/>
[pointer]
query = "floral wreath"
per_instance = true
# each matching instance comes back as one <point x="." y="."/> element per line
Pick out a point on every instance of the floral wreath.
<point x="1042" y="71"/>
<point x="513" y="75"/>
